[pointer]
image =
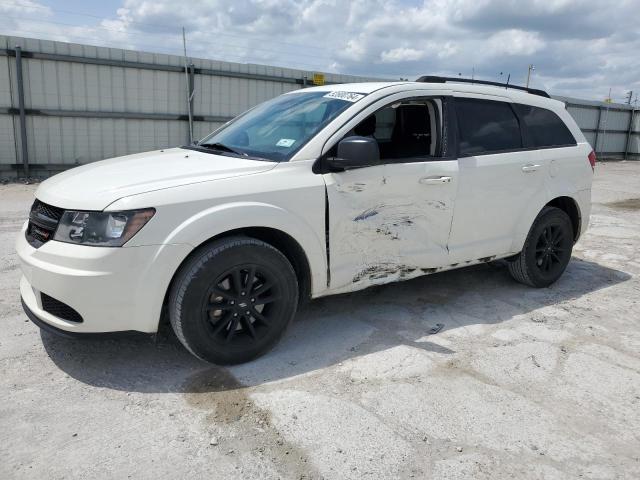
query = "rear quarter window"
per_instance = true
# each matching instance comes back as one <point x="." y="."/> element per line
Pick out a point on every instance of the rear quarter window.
<point x="486" y="126"/>
<point x="545" y="128"/>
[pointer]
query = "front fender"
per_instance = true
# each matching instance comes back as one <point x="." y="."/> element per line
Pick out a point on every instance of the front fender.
<point x="202" y="225"/>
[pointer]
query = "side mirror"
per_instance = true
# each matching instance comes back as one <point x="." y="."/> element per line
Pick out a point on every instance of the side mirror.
<point x="355" y="152"/>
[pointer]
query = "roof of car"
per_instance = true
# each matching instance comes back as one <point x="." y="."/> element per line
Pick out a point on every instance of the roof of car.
<point x="364" y="87"/>
<point x="370" y="87"/>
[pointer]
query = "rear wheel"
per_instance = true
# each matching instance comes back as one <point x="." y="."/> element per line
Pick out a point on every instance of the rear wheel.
<point x="547" y="249"/>
<point x="233" y="300"/>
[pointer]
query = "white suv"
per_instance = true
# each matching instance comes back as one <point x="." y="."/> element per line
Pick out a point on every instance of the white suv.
<point x="319" y="191"/>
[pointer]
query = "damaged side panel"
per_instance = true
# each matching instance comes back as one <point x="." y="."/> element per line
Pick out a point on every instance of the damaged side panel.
<point x="385" y="225"/>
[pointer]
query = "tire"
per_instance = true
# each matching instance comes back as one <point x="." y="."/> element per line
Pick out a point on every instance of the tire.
<point x="233" y="300"/>
<point x="547" y="249"/>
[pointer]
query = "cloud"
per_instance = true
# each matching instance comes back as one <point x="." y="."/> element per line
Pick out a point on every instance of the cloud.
<point x="401" y="55"/>
<point x="579" y="47"/>
<point x="24" y="7"/>
<point x="515" y="42"/>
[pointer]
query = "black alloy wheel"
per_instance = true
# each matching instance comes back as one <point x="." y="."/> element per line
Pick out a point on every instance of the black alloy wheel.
<point x="551" y="249"/>
<point x="233" y="299"/>
<point x="241" y="304"/>
<point x="546" y="251"/>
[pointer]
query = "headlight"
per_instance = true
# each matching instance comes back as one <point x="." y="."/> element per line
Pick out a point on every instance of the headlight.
<point x="105" y="229"/>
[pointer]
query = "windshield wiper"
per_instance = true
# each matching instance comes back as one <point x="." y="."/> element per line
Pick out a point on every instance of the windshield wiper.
<point x="220" y="147"/>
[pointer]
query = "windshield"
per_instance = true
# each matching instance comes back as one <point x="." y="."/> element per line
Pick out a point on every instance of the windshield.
<point x="277" y="129"/>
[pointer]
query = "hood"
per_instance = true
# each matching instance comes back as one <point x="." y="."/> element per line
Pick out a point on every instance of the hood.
<point x="96" y="185"/>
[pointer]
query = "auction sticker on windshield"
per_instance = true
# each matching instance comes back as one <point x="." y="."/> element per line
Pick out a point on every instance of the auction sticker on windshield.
<point x="348" y="96"/>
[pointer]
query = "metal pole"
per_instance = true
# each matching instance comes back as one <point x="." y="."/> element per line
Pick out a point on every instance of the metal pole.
<point x="186" y="77"/>
<point x="606" y="117"/>
<point x="192" y="91"/>
<point x="531" y="67"/>
<point x="23" y="119"/>
<point x="626" y="144"/>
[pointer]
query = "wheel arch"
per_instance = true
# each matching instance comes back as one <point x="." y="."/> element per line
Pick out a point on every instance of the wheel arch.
<point x="566" y="203"/>
<point x="277" y="238"/>
<point x="569" y="206"/>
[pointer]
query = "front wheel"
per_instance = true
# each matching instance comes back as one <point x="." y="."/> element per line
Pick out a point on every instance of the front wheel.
<point x="547" y="249"/>
<point x="233" y="300"/>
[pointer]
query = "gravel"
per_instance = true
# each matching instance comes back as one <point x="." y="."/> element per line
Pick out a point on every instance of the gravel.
<point x="516" y="383"/>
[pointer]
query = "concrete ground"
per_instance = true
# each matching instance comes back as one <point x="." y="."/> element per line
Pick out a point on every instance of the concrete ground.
<point x="520" y="383"/>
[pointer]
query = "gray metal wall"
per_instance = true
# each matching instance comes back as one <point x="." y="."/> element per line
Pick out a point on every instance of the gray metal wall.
<point x="613" y="129"/>
<point x="84" y="103"/>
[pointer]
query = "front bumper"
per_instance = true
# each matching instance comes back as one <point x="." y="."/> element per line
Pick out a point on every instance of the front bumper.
<point x="113" y="288"/>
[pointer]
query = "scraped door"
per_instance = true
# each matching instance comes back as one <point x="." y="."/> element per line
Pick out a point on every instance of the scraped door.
<point x="389" y="222"/>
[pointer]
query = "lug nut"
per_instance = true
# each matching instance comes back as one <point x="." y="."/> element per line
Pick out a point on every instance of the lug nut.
<point x="235" y="314"/>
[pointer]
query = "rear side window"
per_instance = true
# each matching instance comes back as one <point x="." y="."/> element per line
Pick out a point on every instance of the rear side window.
<point x="486" y="126"/>
<point x="545" y="128"/>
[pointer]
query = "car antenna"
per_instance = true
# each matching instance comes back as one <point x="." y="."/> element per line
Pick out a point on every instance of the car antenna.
<point x="507" y="84"/>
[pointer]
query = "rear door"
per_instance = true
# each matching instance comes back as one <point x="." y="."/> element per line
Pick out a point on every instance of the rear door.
<point x="498" y="178"/>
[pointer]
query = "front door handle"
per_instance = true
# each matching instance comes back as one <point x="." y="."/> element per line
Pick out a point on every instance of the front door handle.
<point x="530" y="168"/>
<point x="435" y="180"/>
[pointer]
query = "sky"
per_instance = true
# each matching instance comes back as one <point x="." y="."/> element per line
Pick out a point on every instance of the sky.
<point x="579" y="48"/>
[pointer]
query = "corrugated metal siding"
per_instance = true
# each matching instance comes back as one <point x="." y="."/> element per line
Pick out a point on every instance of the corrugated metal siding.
<point x="585" y="117"/>
<point x="63" y="85"/>
<point x="614" y="120"/>
<point x="591" y="138"/>
<point x="57" y="141"/>
<point x="7" y="141"/>
<point x="613" y="129"/>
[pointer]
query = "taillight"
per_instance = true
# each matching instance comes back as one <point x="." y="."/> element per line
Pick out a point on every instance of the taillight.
<point x="592" y="160"/>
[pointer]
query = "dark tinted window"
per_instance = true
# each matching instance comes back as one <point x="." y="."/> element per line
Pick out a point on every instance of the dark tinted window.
<point x="486" y="126"/>
<point x="545" y="127"/>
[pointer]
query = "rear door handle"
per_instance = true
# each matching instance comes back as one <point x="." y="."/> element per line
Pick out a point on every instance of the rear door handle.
<point x="530" y="168"/>
<point x="435" y="180"/>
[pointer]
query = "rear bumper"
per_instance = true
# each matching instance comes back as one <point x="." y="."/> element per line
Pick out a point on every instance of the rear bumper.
<point x="113" y="289"/>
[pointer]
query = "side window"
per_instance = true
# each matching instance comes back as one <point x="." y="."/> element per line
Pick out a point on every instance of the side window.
<point x="486" y="126"/>
<point x="545" y="128"/>
<point x="405" y="129"/>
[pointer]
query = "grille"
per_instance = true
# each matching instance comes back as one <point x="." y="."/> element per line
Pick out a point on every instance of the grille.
<point x="43" y="221"/>
<point x="45" y="210"/>
<point x="59" y="309"/>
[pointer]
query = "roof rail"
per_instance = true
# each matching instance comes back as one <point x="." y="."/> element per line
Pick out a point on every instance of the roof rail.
<point x="436" y="79"/>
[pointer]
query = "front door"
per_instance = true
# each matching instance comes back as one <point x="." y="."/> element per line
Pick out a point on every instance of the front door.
<point x="392" y="221"/>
